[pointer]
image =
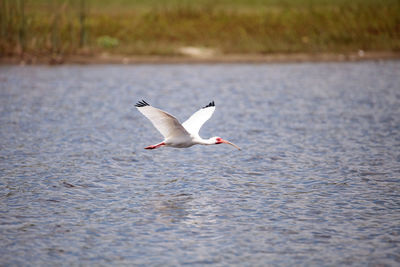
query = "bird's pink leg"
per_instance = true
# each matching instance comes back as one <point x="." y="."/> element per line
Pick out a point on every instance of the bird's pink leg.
<point x="155" y="146"/>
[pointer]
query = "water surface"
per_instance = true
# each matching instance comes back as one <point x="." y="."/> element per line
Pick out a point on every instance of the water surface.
<point x="316" y="183"/>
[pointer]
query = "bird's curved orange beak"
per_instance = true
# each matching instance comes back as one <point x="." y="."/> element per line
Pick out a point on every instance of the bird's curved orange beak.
<point x="229" y="143"/>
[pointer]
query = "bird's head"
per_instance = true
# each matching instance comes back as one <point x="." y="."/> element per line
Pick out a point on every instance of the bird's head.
<point x="218" y="140"/>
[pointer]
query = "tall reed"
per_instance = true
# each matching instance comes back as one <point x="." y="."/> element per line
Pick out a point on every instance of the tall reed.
<point x="157" y="27"/>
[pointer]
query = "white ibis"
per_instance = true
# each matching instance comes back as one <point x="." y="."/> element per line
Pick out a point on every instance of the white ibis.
<point x="180" y="135"/>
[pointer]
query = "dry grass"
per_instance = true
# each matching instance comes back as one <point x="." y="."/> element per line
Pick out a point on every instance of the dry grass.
<point x="156" y="27"/>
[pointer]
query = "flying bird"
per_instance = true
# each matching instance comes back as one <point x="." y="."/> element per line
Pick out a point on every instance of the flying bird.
<point x="177" y="134"/>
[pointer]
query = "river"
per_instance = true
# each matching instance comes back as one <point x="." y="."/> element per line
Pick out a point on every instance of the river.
<point x="317" y="182"/>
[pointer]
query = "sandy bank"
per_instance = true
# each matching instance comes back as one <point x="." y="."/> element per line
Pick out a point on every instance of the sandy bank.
<point x="232" y="58"/>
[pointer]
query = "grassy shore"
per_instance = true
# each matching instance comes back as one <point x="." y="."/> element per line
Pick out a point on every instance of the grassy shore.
<point x="62" y="28"/>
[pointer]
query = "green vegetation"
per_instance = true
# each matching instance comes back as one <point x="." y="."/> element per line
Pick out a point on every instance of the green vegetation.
<point x="160" y="27"/>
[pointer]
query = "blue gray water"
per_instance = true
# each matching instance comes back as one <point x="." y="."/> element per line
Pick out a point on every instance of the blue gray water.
<point x="317" y="182"/>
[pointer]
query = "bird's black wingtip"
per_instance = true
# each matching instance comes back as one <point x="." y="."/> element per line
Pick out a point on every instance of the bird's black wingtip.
<point x="141" y="104"/>
<point x="212" y="104"/>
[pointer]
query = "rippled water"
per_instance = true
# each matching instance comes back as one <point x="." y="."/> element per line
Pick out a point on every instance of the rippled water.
<point x="316" y="183"/>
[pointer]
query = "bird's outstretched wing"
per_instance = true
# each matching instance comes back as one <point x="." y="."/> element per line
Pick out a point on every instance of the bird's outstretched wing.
<point x="194" y="123"/>
<point x="165" y="123"/>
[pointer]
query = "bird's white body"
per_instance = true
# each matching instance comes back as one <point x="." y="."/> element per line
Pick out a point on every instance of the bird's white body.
<point x="186" y="141"/>
<point x="180" y="141"/>
<point x="176" y="134"/>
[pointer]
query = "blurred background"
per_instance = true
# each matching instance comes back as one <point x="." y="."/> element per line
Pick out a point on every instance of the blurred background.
<point x="60" y="28"/>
